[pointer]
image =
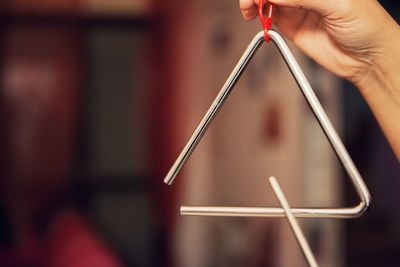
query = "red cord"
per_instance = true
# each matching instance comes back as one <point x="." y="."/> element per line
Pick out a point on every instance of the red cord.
<point x="266" y="23"/>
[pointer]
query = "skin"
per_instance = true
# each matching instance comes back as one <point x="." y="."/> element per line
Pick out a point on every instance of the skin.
<point x="354" y="39"/>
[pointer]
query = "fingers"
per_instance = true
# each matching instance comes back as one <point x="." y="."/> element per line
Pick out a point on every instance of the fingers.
<point x="249" y="14"/>
<point x="248" y="8"/>
<point x="324" y="6"/>
<point x="246" y="4"/>
<point x="288" y="20"/>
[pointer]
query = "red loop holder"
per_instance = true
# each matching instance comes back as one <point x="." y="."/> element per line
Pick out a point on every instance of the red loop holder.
<point x="266" y="22"/>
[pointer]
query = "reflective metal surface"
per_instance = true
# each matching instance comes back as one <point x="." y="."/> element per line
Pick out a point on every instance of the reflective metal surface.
<point x="213" y="109"/>
<point x="320" y="115"/>
<point x="305" y="247"/>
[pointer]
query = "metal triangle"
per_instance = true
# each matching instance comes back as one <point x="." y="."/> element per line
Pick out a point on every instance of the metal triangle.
<point x="320" y="115"/>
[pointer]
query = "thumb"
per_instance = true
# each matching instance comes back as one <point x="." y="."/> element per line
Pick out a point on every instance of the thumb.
<point x="320" y="6"/>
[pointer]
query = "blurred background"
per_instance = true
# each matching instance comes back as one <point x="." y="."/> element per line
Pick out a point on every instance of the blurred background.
<point x="98" y="97"/>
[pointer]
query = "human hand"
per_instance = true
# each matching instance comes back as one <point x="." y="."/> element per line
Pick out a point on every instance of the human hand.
<point x="347" y="37"/>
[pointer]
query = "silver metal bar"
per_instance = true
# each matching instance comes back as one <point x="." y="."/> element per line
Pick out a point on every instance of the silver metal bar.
<point x="263" y="212"/>
<point x="326" y="125"/>
<point x="213" y="110"/>
<point x="305" y="248"/>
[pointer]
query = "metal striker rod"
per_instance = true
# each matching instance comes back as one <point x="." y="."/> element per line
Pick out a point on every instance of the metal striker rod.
<point x="308" y="254"/>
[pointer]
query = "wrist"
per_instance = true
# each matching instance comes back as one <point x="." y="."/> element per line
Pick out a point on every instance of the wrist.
<point x="380" y="87"/>
<point x="382" y="71"/>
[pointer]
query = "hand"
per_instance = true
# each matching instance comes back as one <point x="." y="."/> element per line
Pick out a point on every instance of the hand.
<point x="347" y="37"/>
